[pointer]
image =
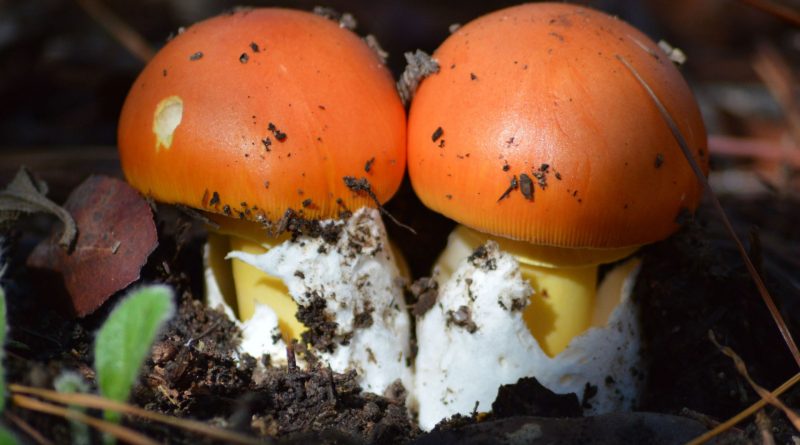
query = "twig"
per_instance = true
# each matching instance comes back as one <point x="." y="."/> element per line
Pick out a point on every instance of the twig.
<point x="92" y="401"/>
<point x="118" y="431"/>
<point x="363" y="186"/>
<point x="118" y="29"/>
<point x="290" y="358"/>
<point x="210" y="329"/>
<point x="728" y="424"/>
<point x="762" y="289"/>
<point x="27" y="429"/>
<point x="783" y="12"/>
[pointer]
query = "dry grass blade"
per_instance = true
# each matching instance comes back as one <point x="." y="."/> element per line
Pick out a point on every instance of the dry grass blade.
<point x="763" y="393"/>
<point x="760" y="149"/>
<point x="783" y="12"/>
<point x="118" y="431"/>
<point x="762" y="289"/>
<point x="27" y="429"/>
<point x="776" y="74"/>
<point x="728" y="424"/>
<point x="92" y="401"/>
<point x="124" y="34"/>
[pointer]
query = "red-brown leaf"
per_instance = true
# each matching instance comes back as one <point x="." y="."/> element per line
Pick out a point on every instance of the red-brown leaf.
<point x="116" y="234"/>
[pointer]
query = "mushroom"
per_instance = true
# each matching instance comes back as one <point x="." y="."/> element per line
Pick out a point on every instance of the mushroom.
<point x="534" y="135"/>
<point x="259" y="117"/>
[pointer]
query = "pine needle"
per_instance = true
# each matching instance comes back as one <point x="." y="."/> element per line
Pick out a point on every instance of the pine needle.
<point x="27" y="429"/>
<point x="783" y="12"/>
<point x="117" y="431"/>
<point x="97" y="402"/>
<point x="747" y="412"/>
<point x="121" y="31"/>
<point x="763" y="393"/>
<point x="762" y="289"/>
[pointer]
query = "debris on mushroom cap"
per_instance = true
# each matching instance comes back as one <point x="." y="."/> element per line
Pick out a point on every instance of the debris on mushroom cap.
<point x="461" y="362"/>
<point x="541" y="84"/>
<point x="344" y="20"/>
<point x="375" y="46"/>
<point x="248" y="101"/>
<point x="351" y="293"/>
<point x="677" y="56"/>
<point x="418" y="66"/>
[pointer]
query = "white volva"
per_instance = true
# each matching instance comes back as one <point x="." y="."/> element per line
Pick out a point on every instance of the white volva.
<point x="473" y="340"/>
<point x="355" y="276"/>
<point x="260" y="334"/>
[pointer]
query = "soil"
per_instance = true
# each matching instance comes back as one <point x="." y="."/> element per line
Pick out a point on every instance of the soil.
<point x="690" y="284"/>
<point x="695" y="283"/>
<point x="193" y="371"/>
<point x="203" y="381"/>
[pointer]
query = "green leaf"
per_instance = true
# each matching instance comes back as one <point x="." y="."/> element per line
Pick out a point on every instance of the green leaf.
<point x="3" y="331"/>
<point x="125" y="339"/>
<point x="72" y="382"/>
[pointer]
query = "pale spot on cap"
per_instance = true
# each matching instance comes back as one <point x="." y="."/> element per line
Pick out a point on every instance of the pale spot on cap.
<point x="166" y="119"/>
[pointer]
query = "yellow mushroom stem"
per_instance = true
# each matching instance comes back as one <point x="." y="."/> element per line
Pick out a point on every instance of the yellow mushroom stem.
<point x="565" y="302"/>
<point x="243" y="285"/>
<point x="254" y="286"/>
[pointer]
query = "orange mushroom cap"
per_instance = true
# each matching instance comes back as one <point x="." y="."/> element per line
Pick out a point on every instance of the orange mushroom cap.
<point x="251" y="113"/>
<point x="534" y="96"/>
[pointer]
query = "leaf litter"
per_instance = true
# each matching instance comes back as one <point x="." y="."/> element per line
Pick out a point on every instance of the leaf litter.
<point x="27" y="195"/>
<point x="115" y="236"/>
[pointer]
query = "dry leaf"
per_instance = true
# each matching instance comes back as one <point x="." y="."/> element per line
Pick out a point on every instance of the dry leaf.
<point x="116" y="234"/>
<point x="26" y="195"/>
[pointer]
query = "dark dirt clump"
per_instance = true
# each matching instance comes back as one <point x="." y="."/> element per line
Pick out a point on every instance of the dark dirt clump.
<point x="321" y="333"/>
<point x="193" y="369"/>
<point x="424" y="292"/>
<point x="462" y="318"/>
<point x="203" y="381"/>
<point x="695" y="282"/>
<point x="480" y="258"/>
<point x="364" y="319"/>
<point x="528" y="397"/>
<point x="609" y="429"/>
<point x="287" y="402"/>
<point x="295" y="223"/>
